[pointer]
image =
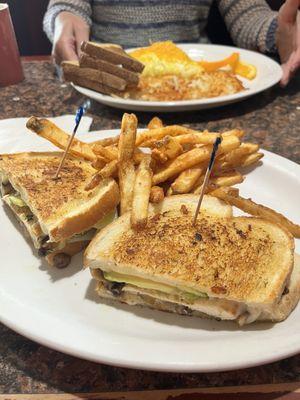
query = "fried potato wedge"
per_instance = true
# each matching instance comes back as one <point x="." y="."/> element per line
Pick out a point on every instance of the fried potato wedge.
<point x="228" y="179"/>
<point x="155" y="123"/>
<point x="141" y="194"/>
<point x="110" y="170"/>
<point x="159" y="133"/>
<point x="48" y="130"/>
<point x="258" y="210"/>
<point x="156" y="194"/>
<point x="192" y="158"/>
<point x="185" y="182"/>
<point x="127" y="139"/>
<point x="126" y="147"/>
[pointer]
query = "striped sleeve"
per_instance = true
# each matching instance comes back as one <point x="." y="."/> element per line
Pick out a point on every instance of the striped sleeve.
<point x="81" y="8"/>
<point x="251" y="23"/>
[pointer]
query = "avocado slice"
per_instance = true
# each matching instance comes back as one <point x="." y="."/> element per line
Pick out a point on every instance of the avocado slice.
<point x="187" y="293"/>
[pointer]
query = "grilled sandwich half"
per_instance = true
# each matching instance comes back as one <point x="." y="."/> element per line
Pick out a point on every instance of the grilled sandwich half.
<point x="59" y="216"/>
<point x="230" y="268"/>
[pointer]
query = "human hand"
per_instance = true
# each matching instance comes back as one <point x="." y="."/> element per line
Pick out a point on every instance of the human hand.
<point x="70" y="31"/>
<point x="288" y="39"/>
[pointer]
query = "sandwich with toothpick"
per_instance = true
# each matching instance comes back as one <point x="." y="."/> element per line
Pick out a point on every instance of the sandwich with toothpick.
<point x="194" y="261"/>
<point x="59" y="215"/>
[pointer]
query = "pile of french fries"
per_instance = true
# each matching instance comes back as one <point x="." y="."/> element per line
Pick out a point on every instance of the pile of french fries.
<point x="163" y="161"/>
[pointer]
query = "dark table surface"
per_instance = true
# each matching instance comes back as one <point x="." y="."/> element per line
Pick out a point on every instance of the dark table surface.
<point x="270" y="119"/>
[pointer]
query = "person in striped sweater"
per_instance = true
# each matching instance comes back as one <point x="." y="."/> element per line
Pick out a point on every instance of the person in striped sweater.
<point x="251" y="24"/>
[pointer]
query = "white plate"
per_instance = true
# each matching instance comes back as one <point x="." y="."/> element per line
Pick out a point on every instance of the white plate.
<point x="268" y="74"/>
<point x="59" y="309"/>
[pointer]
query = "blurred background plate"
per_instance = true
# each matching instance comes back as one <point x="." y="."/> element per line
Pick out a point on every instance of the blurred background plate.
<point x="268" y="74"/>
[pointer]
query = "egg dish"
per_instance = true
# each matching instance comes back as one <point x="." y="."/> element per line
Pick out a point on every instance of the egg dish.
<point x="170" y="74"/>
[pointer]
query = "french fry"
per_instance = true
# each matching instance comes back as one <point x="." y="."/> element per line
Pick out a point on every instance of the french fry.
<point x="258" y="210"/>
<point x="110" y="170"/>
<point x="204" y="137"/>
<point x="211" y="187"/>
<point x="114" y="149"/>
<point x="138" y="156"/>
<point x="197" y="138"/>
<point x="228" y="179"/>
<point x="141" y="194"/>
<point x="192" y="158"/>
<point x="166" y="149"/>
<point x="187" y="179"/>
<point x="234" y="156"/>
<point x="232" y="191"/>
<point x="126" y="148"/>
<point x="127" y="137"/>
<point x="159" y="156"/>
<point x="237" y="157"/>
<point x="156" y="194"/>
<point x="99" y="163"/>
<point x="48" y="130"/>
<point x="159" y="133"/>
<point x="155" y="123"/>
<point x="106" y="141"/>
<point x="233" y="132"/>
<point x="169" y="146"/>
<point x="107" y="152"/>
<point x="251" y="159"/>
<point x="126" y="184"/>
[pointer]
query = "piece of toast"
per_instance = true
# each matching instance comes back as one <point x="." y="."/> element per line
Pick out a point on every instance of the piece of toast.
<point x="242" y="259"/>
<point x="63" y="207"/>
<point x="87" y="61"/>
<point x="73" y="73"/>
<point x="113" y="54"/>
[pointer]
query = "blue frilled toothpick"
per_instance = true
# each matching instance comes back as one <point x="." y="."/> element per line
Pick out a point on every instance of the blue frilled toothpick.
<point x="79" y="114"/>
<point x="207" y="175"/>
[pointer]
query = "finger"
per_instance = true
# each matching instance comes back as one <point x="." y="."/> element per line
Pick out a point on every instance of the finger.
<point x="290" y="67"/>
<point x="81" y="35"/>
<point x="285" y="75"/>
<point x="69" y="52"/>
<point x="64" y="50"/>
<point x="288" y="11"/>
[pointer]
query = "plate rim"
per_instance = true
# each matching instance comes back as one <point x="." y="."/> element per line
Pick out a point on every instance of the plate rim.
<point x="73" y="350"/>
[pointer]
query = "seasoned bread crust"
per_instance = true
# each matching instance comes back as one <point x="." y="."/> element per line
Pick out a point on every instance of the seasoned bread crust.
<point x="63" y="206"/>
<point x="242" y="259"/>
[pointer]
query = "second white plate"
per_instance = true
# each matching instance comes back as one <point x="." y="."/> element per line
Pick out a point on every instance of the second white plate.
<point x="268" y="74"/>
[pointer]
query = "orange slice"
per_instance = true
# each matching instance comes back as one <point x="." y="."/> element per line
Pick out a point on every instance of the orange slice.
<point x="245" y="70"/>
<point x="211" y="66"/>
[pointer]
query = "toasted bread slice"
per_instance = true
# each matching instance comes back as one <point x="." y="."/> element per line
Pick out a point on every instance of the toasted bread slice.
<point x="71" y="69"/>
<point x="62" y="207"/>
<point x="112" y="53"/>
<point x="87" y="61"/>
<point x="242" y="259"/>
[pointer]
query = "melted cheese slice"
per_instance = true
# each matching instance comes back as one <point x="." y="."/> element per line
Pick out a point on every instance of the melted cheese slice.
<point x="152" y="285"/>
